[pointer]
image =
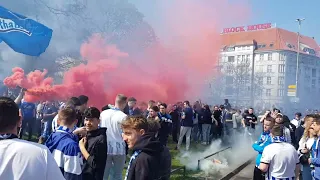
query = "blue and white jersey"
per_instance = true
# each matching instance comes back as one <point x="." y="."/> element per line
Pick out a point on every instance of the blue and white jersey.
<point x="63" y="144"/>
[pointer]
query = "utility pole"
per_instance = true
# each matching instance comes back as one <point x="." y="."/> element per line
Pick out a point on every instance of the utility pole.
<point x="299" y="20"/>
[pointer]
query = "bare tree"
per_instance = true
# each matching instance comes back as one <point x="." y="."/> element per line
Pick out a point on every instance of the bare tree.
<point x="238" y="83"/>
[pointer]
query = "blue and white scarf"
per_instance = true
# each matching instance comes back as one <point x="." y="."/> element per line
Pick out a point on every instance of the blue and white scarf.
<point x="64" y="129"/>
<point x="8" y="136"/>
<point x="133" y="157"/>
<point x="278" y="139"/>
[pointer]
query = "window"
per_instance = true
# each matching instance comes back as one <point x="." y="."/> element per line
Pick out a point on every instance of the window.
<point x="248" y="58"/>
<point x="313" y="83"/>
<point x="281" y="68"/>
<point x="243" y="58"/>
<point x="230" y="58"/>
<point x="229" y="69"/>
<point x="314" y="72"/>
<point x="269" y="80"/>
<point x="269" y="68"/>
<point x="268" y="92"/>
<point x="282" y="57"/>
<point x="261" y="57"/>
<point x="238" y="58"/>
<point x="280" y="80"/>
<point x="280" y="92"/>
<point x="270" y="57"/>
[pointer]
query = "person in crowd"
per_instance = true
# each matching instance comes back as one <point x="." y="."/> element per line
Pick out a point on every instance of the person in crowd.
<point x="49" y="112"/>
<point x="73" y="102"/>
<point x="216" y="116"/>
<point x="21" y="159"/>
<point x="206" y="120"/>
<point x="227" y="105"/>
<point x="224" y="112"/>
<point x="175" y="116"/>
<point x="186" y="125"/>
<point x="197" y="124"/>
<point x="297" y="119"/>
<point x="263" y="141"/>
<point x="93" y="147"/>
<point x="280" y="159"/>
<point x="249" y="122"/>
<point x="116" y="151"/>
<point x="236" y="121"/>
<point x="305" y="146"/>
<point x="133" y="110"/>
<point x="151" y="104"/>
<point x="28" y="112"/>
<point x="288" y="129"/>
<point x="165" y="123"/>
<point x="83" y="106"/>
<point x="153" y="113"/>
<point x="315" y="153"/>
<point x="63" y="144"/>
<point x="165" y="157"/>
<point x="144" y="162"/>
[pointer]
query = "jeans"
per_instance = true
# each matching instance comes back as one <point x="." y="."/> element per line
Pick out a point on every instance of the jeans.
<point x="206" y="132"/>
<point x="306" y="172"/>
<point x="195" y="133"/>
<point x="184" y="131"/>
<point x="115" y="164"/>
<point x="47" y="127"/>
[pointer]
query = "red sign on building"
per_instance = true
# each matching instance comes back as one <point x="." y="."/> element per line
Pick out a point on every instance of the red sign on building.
<point x="247" y="28"/>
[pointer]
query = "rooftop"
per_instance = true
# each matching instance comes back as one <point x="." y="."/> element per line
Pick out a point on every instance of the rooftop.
<point x="272" y="39"/>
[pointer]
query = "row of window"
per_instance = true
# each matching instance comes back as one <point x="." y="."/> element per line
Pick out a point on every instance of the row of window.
<point x="268" y="92"/>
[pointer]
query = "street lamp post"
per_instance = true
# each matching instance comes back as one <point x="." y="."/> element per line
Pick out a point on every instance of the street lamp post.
<point x="299" y="20"/>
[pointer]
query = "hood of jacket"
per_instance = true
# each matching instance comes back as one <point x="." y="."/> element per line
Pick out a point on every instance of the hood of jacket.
<point x="148" y="144"/>
<point x="56" y="137"/>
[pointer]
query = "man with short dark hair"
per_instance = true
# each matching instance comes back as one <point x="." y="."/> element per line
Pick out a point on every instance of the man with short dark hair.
<point x="280" y="159"/>
<point x="166" y="124"/>
<point x="94" y="146"/>
<point x="63" y="144"/>
<point x="132" y="109"/>
<point x="22" y="159"/>
<point x="186" y="125"/>
<point x="83" y="106"/>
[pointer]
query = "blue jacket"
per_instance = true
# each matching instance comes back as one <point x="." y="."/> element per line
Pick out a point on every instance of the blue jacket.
<point x="316" y="159"/>
<point x="264" y="140"/>
<point x="65" y="149"/>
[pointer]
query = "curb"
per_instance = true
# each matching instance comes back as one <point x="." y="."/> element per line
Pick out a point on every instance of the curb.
<point x="237" y="170"/>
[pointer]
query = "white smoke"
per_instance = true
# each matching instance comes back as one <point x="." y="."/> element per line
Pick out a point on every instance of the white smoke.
<point x="240" y="152"/>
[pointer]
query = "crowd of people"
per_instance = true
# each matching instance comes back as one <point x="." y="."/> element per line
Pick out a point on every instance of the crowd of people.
<point x="288" y="149"/>
<point x="80" y="142"/>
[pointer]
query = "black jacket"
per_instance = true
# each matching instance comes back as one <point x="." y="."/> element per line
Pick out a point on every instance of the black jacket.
<point x="146" y="166"/>
<point x="206" y="116"/>
<point x="93" y="168"/>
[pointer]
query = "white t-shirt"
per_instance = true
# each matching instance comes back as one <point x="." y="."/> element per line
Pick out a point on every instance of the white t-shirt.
<point x="23" y="160"/>
<point x="111" y="119"/>
<point x="282" y="159"/>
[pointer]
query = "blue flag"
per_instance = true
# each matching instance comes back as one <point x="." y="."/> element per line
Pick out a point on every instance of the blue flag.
<point x="22" y="34"/>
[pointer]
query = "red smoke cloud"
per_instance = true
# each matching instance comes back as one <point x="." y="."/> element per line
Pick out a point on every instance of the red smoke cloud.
<point x="171" y="72"/>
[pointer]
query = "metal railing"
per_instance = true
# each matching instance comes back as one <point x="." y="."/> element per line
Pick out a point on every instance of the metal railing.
<point x="212" y="155"/>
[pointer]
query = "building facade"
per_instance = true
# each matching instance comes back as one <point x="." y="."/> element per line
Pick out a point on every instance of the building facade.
<point x="257" y="67"/>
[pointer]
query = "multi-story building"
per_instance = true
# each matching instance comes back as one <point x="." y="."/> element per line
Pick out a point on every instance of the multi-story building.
<point x="258" y="66"/>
